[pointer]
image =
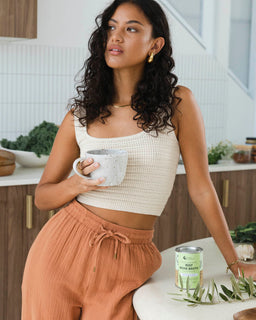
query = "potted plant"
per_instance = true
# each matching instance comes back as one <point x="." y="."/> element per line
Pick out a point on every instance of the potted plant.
<point x="221" y="153"/>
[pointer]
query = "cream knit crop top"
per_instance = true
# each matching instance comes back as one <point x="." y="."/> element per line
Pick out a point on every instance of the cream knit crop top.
<point x="150" y="174"/>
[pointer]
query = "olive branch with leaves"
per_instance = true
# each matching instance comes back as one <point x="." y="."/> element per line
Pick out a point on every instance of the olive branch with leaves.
<point x="242" y="289"/>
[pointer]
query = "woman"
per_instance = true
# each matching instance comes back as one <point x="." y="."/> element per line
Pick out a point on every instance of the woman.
<point x="90" y="257"/>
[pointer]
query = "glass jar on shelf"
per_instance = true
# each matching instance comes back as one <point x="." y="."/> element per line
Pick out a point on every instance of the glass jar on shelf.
<point x="252" y="142"/>
<point x="242" y="154"/>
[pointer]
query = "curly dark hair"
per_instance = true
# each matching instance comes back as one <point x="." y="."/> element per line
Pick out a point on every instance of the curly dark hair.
<point x="154" y="99"/>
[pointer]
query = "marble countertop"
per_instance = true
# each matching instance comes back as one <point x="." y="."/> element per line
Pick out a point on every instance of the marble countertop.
<point x="25" y="176"/>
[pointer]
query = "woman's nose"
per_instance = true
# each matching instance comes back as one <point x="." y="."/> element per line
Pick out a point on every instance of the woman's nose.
<point x="116" y="37"/>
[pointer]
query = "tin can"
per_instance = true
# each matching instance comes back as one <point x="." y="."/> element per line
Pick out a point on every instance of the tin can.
<point x="188" y="267"/>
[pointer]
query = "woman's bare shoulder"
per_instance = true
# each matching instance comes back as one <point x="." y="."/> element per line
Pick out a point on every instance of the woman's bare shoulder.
<point x="69" y="118"/>
<point x="188" y="103"/>
<point x="183" y="92"/>
<point x="186" y="106"/>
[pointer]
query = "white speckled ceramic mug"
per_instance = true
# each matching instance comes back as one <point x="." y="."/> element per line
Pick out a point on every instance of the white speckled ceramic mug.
<point x="113" y="163"/>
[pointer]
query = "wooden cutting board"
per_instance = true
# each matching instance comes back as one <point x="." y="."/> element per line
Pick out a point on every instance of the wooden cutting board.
<point x="247" y="314"/>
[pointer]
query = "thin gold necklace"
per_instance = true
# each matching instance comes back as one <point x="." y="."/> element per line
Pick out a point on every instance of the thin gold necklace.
<point x="124" y="105"/>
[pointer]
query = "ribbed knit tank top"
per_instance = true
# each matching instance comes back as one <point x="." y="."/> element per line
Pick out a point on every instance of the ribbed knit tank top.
<point x="150" y="174"/>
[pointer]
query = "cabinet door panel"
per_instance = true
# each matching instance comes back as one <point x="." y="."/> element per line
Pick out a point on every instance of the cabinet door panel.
<point x="18" y="18"/>
<point x="180" y="221"/>
<point x="15" y="241"/>
<point x="3" y="250"/>
<point x="13" y="262"/>
<point x="39" y="218"/>
<point x="172" y="218"/>
<point x="241" y="203"/>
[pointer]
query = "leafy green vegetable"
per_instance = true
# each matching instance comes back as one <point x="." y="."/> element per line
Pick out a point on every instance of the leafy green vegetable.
<point x="39" y="140"/>
<point x="243" y="234"/>
<point x="224" y="149"/>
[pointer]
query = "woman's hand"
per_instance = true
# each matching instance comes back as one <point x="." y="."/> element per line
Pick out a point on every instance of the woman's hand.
<point x="246" y="268"/>
<point x="82" y="184"/>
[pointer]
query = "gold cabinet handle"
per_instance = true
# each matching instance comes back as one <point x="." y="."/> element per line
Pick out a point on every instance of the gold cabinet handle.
<point x="51" y="213"/>
<point x="29" y="211"/>
<point x="225" y="194"/>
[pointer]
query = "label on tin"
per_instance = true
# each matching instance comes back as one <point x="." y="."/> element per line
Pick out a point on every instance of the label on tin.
<point x="189" y="265"/>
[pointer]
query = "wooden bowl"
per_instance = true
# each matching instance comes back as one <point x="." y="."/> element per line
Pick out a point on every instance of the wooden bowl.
<point x="6" y="157"/>
<point x="247" y="314"/>
<point x="7" y="169"/>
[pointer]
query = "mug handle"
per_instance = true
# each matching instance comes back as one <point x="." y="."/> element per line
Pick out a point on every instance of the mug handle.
<point x="75" y="163"/>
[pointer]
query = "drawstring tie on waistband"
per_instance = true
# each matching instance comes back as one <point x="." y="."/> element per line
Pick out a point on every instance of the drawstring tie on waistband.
<point x="99" y="237"/>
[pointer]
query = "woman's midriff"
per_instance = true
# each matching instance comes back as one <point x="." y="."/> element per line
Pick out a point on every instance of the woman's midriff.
<point x="124" y="218"/>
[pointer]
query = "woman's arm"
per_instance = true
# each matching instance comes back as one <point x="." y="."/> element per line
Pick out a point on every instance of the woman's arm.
<point x="191" y="136"/>
<point x="55" y="187"/>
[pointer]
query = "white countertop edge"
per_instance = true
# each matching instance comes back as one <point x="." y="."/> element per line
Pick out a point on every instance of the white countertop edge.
<point x="22" y="176"/>
<point x="222" y="167"/>
<point x="26" y="176"/>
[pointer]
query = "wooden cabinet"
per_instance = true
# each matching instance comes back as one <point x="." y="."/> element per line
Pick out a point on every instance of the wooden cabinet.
<point x="15" y="241"/>
<point x="180" y="221"/>
<point x="241" y="207"/>
<point x="18" y="18"/>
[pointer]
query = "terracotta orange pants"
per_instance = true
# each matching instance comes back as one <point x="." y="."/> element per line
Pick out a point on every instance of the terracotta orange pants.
<point x="83" y="267"/>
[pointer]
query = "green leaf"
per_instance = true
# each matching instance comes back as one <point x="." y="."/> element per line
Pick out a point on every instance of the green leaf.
<point x="227" y="292"/>
<point x="207" y="293"/>
<point x="251" y="286"/>
<point x="236" y="289"/>
<point x="181" y="282"/>
<point x="182" y="300"/>
<point x="195" y="294"/>
<point x="201" y="293"/>
<point x="215" y="286"/>
<point x="187" y="287"/>
<point x="223" y="297"/>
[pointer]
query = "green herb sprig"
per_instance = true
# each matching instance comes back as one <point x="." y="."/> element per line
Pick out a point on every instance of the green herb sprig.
<point x="242" y="289"/>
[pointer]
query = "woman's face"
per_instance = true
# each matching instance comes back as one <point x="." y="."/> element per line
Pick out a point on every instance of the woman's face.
<point x="129" y="39"/>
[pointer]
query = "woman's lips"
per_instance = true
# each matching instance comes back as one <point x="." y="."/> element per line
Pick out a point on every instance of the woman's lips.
<point x="115" y="50"/>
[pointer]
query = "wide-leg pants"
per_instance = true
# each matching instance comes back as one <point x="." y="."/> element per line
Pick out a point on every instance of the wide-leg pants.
<point x="81" y="266"/>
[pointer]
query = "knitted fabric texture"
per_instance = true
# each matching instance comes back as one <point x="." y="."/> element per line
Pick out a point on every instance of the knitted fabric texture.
<point x="150" y="174"/>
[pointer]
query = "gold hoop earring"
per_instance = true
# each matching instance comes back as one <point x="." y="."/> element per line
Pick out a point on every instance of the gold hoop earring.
<point x="151" y="57"/>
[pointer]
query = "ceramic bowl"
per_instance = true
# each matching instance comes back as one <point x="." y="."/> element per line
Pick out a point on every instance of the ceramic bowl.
<point x="28" y="159"/>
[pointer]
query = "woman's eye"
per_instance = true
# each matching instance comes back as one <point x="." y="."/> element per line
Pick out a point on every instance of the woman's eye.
<point x="111" y="28"/>
<point x="131" y="29"/>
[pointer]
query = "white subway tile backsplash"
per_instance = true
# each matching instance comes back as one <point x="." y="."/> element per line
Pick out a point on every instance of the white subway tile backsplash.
<point x="36" y="83"/>
<point x="208" y="81"/>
